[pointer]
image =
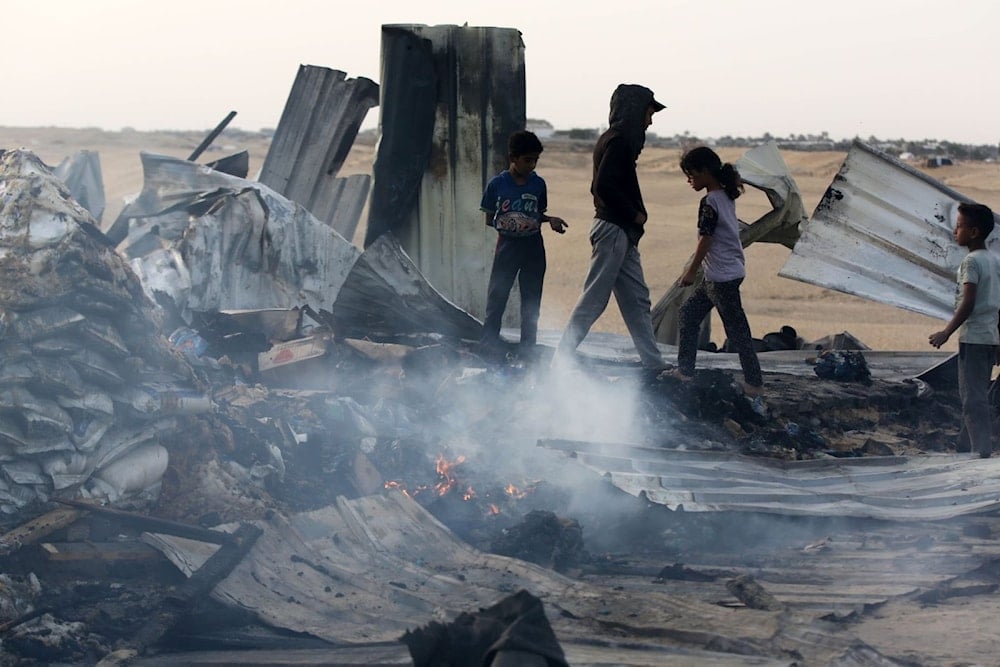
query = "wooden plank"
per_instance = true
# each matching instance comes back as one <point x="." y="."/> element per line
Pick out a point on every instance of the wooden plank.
<point x="200" y="584"/>
<point x="37" y="529"/>
<point x="154" y="525"/>
<point x="98" y="551"/>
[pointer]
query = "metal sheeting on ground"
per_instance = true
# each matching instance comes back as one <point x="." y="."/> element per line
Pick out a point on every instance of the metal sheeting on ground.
<point x="929" y="488"/>
<point x="367" y="569"/>
<point x="317" y="129"/>
<point x="618" y="349"/>
<point x="883" y="231"/>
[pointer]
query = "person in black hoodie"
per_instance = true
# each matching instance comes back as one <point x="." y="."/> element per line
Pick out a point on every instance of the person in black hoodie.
<point x="619" y="223"/>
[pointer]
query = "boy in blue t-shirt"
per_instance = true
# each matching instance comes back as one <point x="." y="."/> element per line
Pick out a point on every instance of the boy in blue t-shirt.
<point x="514" y="203"/>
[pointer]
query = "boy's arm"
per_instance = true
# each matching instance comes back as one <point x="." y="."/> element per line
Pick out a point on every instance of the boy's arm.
<point x="704" y="243"/>
<point x="557" y="224"/>
<point x="962" y="312"/>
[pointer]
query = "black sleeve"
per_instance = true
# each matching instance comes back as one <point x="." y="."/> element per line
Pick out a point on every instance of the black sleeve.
<point x="708" y="218"/>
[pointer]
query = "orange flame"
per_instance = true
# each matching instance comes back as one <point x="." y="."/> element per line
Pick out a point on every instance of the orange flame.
<point x="494" y="509"/>
<point x="446" y="470"/>
<point x="398" y="485"/>
<point x="515" y="492"/>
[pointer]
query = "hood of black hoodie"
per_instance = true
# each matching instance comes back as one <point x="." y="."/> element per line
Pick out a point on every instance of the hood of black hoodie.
<point x="629" y="103"/>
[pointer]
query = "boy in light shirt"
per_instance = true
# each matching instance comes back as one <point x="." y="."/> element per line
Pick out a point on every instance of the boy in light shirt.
<point x="976" y="320"/>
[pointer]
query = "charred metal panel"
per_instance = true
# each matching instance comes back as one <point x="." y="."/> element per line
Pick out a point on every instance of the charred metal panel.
<point x="341" y="205"/>
<point x="316" y="131"/>
<point x="407" y="109"/>
<point x="883" y="231"/>
<point x="393" y="565"/>
<point x="928" y="488"/>
<point x="479" y="100"/>
<point x="214" y="242"/>
<point x="244" y="245"/>
<point x="81" y="172"/>
<point x="385" y="294"/>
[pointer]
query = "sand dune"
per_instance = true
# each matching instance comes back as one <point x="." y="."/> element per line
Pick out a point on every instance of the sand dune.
<point x="770" y="301"/>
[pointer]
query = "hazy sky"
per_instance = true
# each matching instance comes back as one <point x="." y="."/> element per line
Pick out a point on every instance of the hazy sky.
<point x="890" y="68"/>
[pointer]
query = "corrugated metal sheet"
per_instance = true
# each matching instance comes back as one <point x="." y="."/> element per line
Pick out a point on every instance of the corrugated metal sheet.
<point x="929" y="488"/>
<point x="317" y="129"/>
<point x="618" y="349"/>
<point x="247" y="247"/>
<point x="367" y="569"/>
<point x="385" y="293"/>
<point x="883" y="231"/>
<point x="81" y="172"/>
<point x="479" y="99"/>
<point x="343" y="202"/>
<point x="406" y="123"/>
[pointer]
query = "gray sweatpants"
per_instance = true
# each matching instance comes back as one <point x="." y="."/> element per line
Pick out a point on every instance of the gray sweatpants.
<point x="614" y="267"/>
<point x="975" y="365"/>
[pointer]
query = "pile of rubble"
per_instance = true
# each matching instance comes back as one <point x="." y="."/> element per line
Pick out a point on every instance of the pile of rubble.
<point x="87" y="384"/>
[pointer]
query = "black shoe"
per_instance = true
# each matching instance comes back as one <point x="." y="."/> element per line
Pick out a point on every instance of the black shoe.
<point x="985" y="455"/>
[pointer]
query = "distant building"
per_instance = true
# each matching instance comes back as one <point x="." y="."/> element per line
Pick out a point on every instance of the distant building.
<point x="939" y="161"/>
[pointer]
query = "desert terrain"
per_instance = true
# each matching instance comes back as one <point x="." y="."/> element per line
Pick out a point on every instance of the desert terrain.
<point x="770" y="301"/>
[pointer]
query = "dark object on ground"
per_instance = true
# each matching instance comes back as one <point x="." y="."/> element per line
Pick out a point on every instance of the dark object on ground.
<point x="843" y="365"/>
<point x="752" y="594"/>
<point x="786" y="338"/>
<point x="517" y="624"/>
<point x="545" y="539"/>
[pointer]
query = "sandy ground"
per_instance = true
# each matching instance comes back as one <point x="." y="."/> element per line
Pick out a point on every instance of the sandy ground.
<point x="770" y="301"/>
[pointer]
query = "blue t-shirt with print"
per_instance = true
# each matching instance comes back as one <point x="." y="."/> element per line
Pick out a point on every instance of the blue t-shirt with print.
<point x="515" y="210"/>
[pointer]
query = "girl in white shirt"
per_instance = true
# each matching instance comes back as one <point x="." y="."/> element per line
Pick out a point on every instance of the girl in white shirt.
<point x="721" y="252"/>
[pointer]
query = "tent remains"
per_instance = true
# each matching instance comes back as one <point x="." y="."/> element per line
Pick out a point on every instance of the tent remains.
<point x="883" y="231"/>
<point x="211" y="242"/>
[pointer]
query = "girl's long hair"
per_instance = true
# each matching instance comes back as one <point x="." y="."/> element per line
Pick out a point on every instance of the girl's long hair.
<point x="704" y="158"/>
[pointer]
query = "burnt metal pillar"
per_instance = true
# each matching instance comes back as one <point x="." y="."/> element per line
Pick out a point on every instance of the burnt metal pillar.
<point x="450" y="97"/>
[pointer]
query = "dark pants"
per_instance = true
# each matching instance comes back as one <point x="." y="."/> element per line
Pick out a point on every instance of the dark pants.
<point x="975" y="365"/>
<point x="726" y="298"/>
<point x="522" y="258"/>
